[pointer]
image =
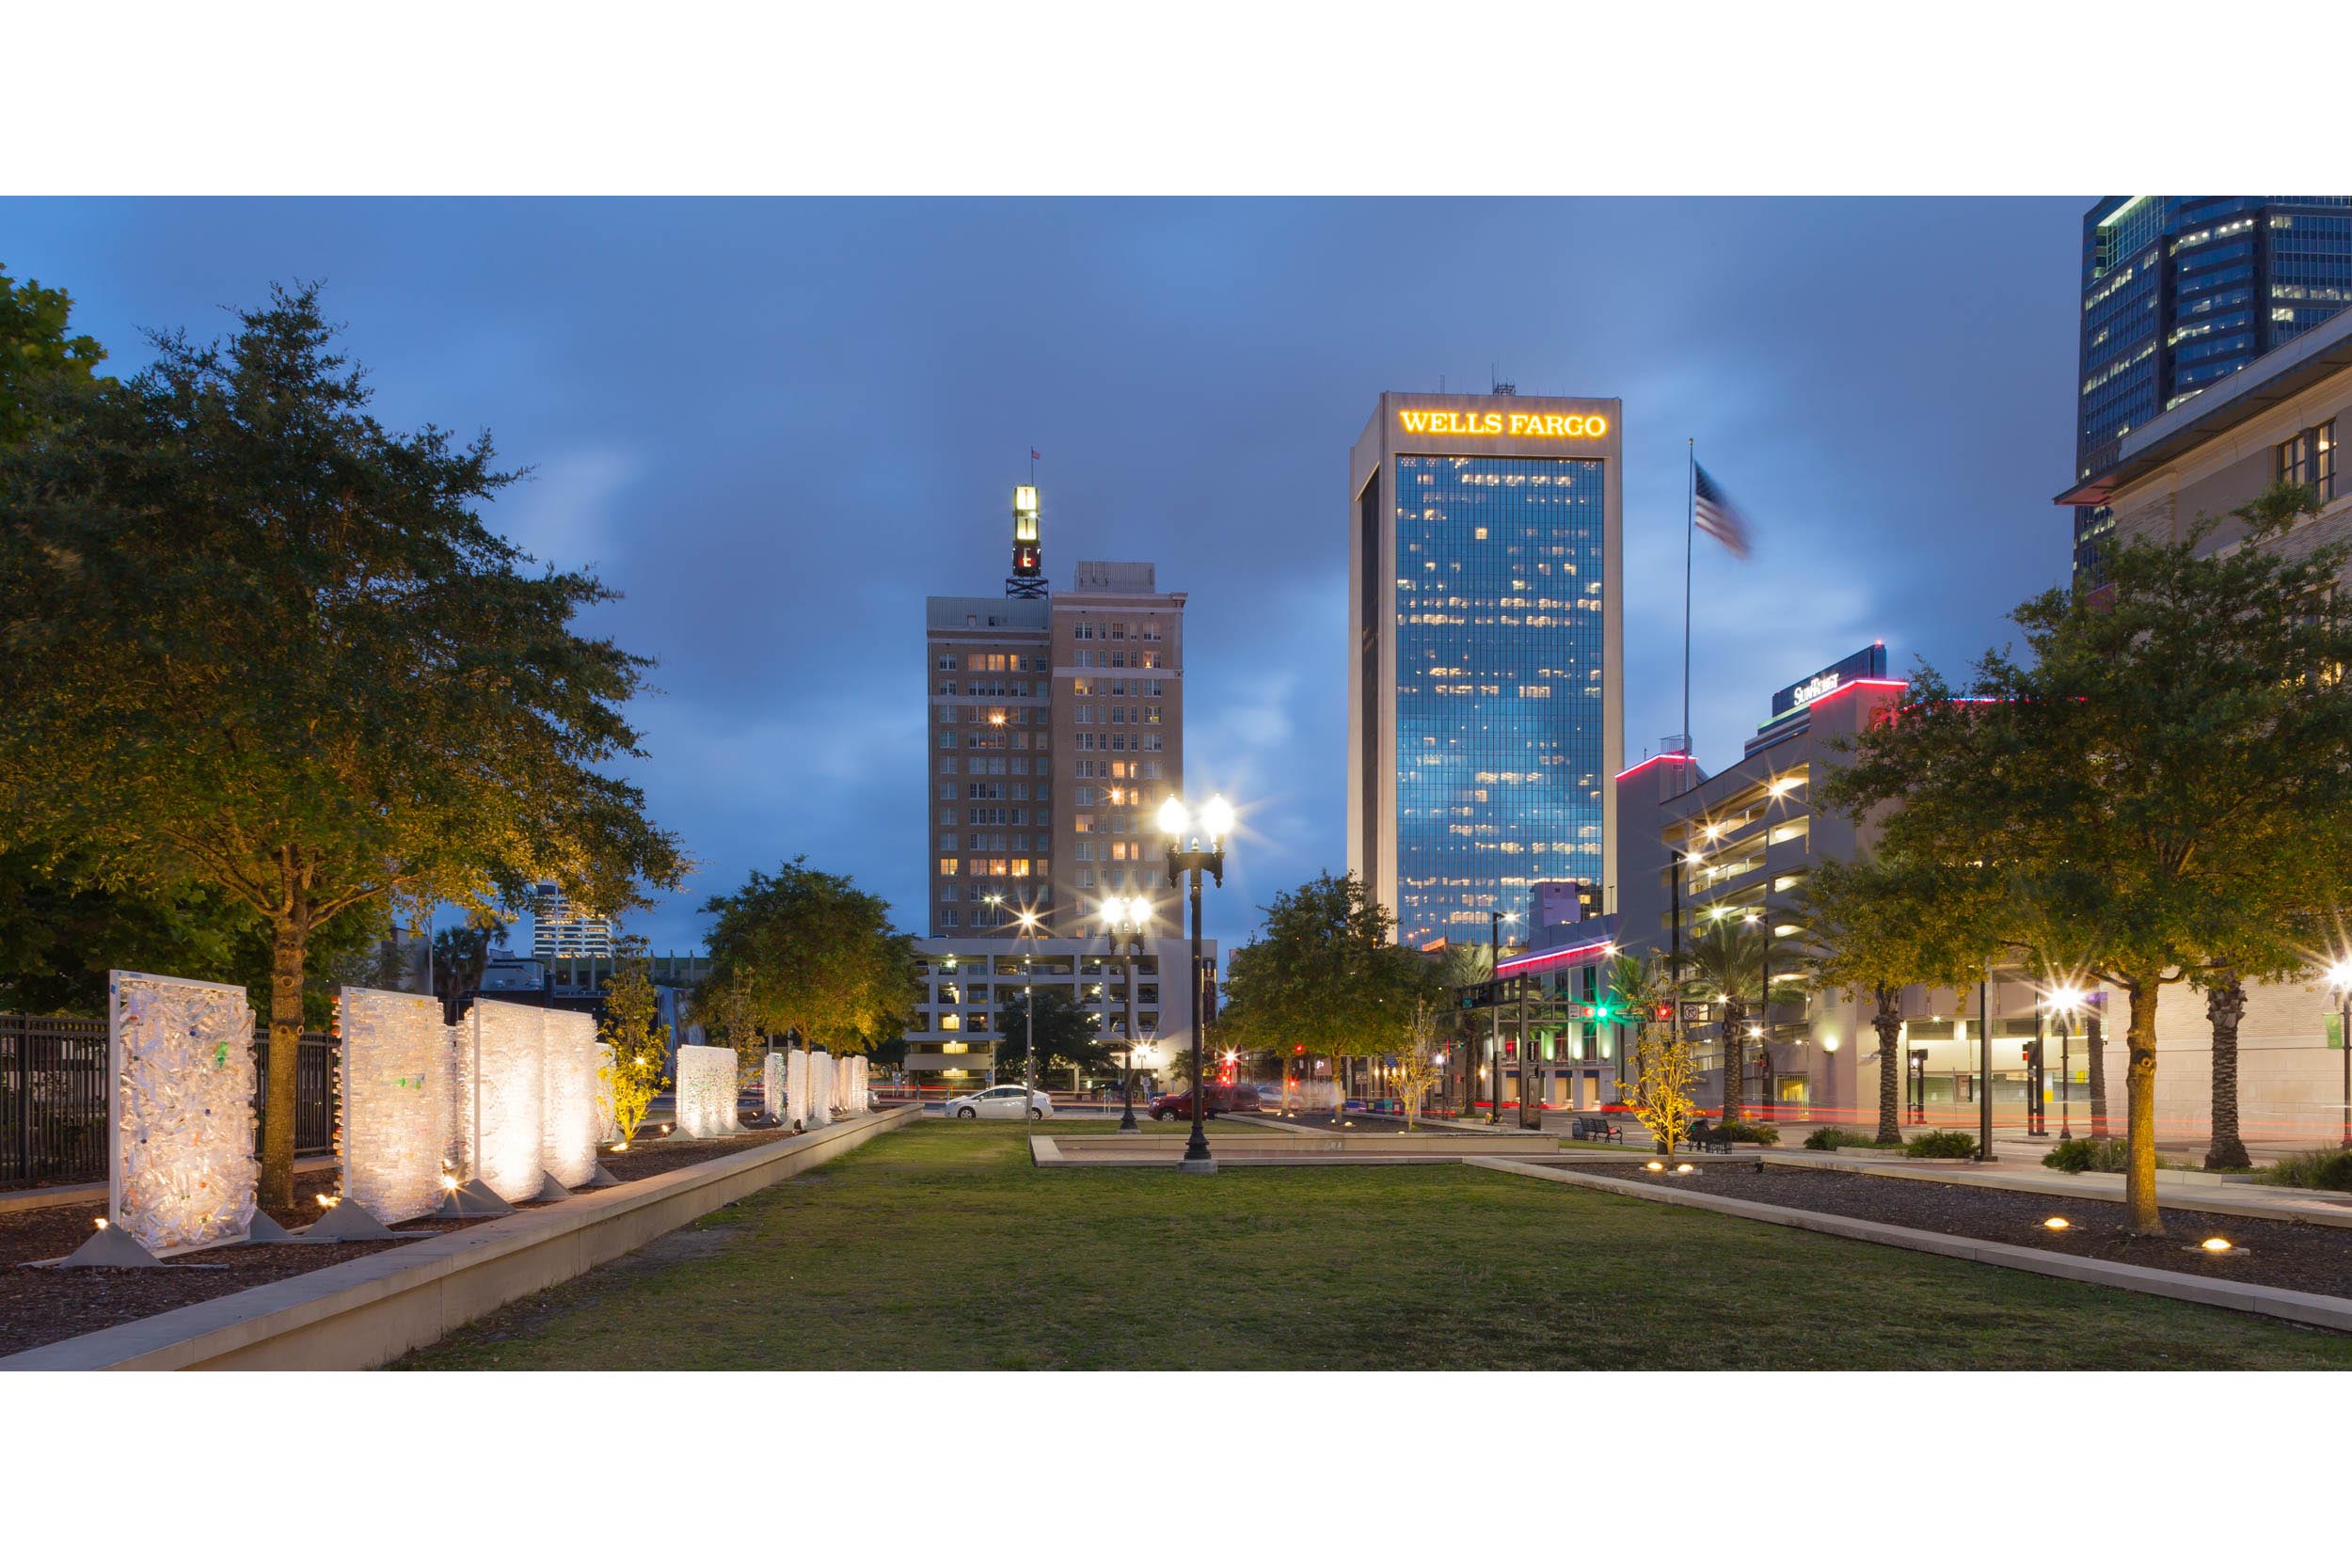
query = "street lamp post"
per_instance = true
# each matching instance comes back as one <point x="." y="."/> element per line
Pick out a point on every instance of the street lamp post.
<point x="1494" y="1032"/>
<point x="1984" y="1070"/>
<point x="1187" y="857"/>
<point x="1123" y="919"/>
<point x="1919" y="1085"/>
<point x="2341" y="977"/>
<point x="2064" y="1001"/>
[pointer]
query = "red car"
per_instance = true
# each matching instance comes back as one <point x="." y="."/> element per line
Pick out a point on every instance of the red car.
<point x="1222" y="1096"/>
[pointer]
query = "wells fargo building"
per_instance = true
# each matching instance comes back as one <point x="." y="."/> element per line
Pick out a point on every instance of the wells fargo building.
<point x="1487" y="655"/>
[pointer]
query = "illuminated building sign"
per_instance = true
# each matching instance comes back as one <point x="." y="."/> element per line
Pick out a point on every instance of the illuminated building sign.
<point x="1866" y="664"/>
<point x="1457" y="421"/>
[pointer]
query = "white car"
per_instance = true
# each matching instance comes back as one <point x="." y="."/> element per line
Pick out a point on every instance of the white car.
<point x="1002" y="1102"/>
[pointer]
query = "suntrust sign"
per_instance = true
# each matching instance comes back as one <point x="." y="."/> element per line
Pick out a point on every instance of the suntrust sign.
<point x="1459" y="421"/>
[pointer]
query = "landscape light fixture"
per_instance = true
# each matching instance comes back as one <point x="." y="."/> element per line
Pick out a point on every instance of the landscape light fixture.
<point x="2215" y="1244"/>
<point x="2055" y="1222"/>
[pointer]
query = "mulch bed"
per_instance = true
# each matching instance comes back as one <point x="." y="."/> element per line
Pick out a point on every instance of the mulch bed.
<point x="2278" y="1252"/>
<point x="38" y="1307"/>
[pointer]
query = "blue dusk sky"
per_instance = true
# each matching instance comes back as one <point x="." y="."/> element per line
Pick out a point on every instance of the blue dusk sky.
<point x="777" y="426"/>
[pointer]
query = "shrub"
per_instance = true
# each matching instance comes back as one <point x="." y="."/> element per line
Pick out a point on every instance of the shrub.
<point x="2081" y="1154"/>
<point x="1945" y="1145"/>
<point x="1840" y="1137"/>
<point x="1747" y="1133"/>
<point x="2327" y="1168"/>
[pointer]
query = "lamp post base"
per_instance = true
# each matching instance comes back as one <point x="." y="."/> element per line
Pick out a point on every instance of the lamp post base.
<point x="1205" y="1165"/>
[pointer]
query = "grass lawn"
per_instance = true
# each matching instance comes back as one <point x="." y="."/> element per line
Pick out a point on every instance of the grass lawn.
<point x="940" y="1246"/>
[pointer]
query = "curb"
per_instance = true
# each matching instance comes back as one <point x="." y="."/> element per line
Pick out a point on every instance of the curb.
<point x="2302" y="1306"/>
<point x="364" y="1313"/>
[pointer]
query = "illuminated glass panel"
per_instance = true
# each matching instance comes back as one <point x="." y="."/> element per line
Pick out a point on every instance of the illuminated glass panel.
<point x="1498" y="718"/>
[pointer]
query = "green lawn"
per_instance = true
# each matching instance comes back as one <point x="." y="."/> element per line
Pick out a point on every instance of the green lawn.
<point x="940" y="1246"/>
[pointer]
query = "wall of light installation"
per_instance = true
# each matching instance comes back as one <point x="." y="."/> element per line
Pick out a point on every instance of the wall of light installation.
<point x="180" y="1171"/>
<point x="398" y="1063"/>
<point x="500" y="1049"/>
<point x="573" y="1118"/>
<point x="857" y="1085"/>
<point x="796" y="1085"/>
<point x="772" y="1086"/>
<point x="706" y="1091"/>
<point x="819" y="1090"/>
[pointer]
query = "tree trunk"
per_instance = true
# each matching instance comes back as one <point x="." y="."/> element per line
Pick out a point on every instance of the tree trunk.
<point x="2225" y="1006"/>
<point x="1734" y="1060"/>
<point x="1890" y="1027"/>
<point x="288" y="939"/>
<point x="2094" y="1042"/>
<point x="2140" y="1173"/>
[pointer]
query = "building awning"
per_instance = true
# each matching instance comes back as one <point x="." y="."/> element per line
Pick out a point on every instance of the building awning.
<point x="2285" y="372"/>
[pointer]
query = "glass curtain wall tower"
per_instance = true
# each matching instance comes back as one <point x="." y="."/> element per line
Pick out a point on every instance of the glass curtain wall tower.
<point x="1486" y="669"/>
<point x="2179" y="290"/>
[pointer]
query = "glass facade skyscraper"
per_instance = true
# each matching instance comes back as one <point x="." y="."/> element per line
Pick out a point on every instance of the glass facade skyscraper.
<point x="2179" y="290"/>
<point x="1484" y="707"/>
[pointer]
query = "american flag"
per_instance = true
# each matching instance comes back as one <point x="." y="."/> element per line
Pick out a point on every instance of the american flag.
<point x="1717" y="516"/>
<point x="1036" y="456"/>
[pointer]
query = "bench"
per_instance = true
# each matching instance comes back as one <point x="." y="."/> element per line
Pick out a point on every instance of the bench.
<point x="1598" y="1129"/>
<point x="1703" y="1134"/>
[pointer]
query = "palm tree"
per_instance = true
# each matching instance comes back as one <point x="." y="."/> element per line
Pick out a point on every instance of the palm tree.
<point x="2225" y="1007"/>
<point x="1718" y="963"/>
<point x="1636" y="985"/>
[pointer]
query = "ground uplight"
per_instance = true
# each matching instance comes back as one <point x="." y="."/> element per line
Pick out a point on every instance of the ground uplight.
<point x="2054" y="1222"/>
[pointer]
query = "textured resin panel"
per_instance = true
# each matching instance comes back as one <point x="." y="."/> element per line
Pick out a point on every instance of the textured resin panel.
<point x="796" y="1085"/>
<point x="399" y="1061"/>
<point x="180" y="1110"/>
<point x="857" y="1085"/>
<point x="819" y="1090"/>
<point x="501" y="1046"/>
<point x="706" y="1091"/>
<point x="772" y="1086"/>
<point x="574" y="1118"/>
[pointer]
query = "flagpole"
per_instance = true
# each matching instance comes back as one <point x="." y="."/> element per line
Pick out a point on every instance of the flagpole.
<point x="1690" y="532"/>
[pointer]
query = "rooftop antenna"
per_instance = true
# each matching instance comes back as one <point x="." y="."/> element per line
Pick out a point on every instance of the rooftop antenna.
<point x="1027" y="581"/>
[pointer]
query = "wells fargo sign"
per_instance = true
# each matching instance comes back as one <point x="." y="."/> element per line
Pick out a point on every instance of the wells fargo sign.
<point x="1455" y="421"/>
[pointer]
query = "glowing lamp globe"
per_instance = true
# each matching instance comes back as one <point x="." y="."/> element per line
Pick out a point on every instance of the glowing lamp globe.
<point x="1217" y="819"/>
<point x="1174" y="818"/>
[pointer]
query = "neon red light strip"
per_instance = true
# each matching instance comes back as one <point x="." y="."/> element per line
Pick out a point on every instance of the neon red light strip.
<point x="1662" y="757"/>
<point x="1549" y="960"/>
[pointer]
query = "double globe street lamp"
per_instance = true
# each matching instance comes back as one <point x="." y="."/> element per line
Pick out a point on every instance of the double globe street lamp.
<point x="1187" y="856"/>
<point x="1124" y="920"/>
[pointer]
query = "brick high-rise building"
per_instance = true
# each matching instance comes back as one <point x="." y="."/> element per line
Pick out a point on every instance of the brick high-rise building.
<point x="1057" y="727"/>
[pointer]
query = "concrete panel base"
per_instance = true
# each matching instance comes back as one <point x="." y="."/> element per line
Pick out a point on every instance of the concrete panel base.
<point x="368" y="1311"/>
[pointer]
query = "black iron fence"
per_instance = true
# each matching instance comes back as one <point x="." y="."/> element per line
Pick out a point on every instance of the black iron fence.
<point x="52" y="1097"/>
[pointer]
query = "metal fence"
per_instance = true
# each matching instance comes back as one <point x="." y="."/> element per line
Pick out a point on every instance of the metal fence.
<point x="52" y="1097"/>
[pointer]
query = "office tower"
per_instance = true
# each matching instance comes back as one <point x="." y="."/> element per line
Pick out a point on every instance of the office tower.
<point x="561" y="928"/>
<point x="1486" y="654"/>
<point x="1056" y="728"/>
<point x="2179" y="292"/>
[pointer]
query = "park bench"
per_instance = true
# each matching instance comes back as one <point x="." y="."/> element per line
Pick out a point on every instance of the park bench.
<point x="1599" y="1129"/>
<point x="1702" y="1134"/>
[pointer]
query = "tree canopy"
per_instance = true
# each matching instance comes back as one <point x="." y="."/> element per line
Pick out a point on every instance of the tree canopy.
<point x="2161" y="790"/>
<point x="816" y="956"/>
<point x="262" y="643"/>
<point x="1065" y="1031"/>
<point x="1321" y="973"/>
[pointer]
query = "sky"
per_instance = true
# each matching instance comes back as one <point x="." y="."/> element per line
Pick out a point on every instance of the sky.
<point x="777" y="426"/>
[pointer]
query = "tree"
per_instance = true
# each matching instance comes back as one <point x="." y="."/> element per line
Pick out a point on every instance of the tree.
<point x="1877" y="928"/>
<point x="816" y="957"/>
<point x="723" y="1008"/>
<point x="1066" y="1034"/>
<point x="1718" y="963"/>
<point x="2163" y="787"/>
<point x="1321" y="973"/>
<point x="46" y="367"/>
<point x="460" y="953"/>
<point x="1420" y="1063"/>
<point x="1661" y="1091"/>
<point x="1636" y="988"/>
<point x="637" y="1047"/>
<point x="263" y="645"/>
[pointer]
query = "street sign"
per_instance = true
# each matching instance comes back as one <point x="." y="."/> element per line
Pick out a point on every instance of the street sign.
<point x="1698" y="1012"/>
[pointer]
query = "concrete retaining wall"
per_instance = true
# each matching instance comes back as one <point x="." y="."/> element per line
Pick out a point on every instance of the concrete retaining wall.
<point x="366" y="1312"/>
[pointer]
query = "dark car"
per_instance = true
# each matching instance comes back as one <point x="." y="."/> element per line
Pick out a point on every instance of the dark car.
<point x="1222" y="1098"/>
